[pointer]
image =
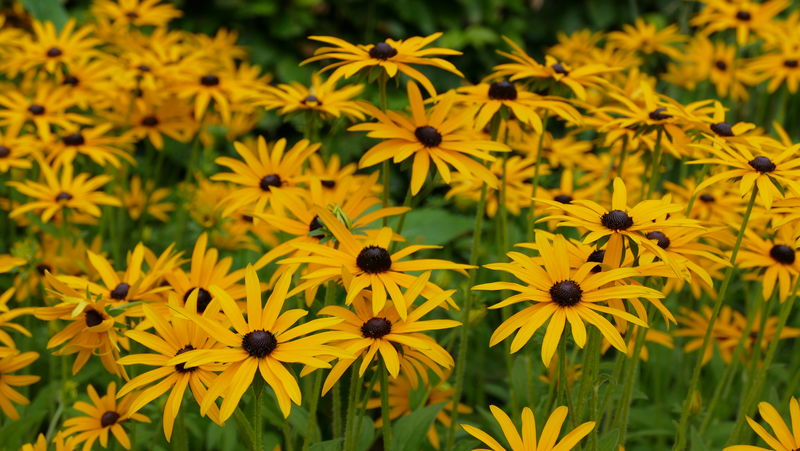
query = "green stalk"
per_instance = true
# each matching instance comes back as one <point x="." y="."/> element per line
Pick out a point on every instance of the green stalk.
<point x="244" y="427"/>
<point x="563" y="377"/>
<point x="623" y="412"/>
<point x="680" y="439"/>
<point x="352" y="402"/>
<point x="622" y="155"/>
<point x="463" y="345"/>
<point x="385" y="420"/>
<point x="258" y="425"/>
<point x="180" y="440"/>
<point x="313" y="404"/>
<point x="535" y="181"/>
<point x="591" y="364"/>
<point x="385" y="166"/>
<point x="754" y="393"/>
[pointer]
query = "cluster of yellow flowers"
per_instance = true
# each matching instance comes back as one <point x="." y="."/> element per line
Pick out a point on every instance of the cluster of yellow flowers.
<point x="122" y="140"/>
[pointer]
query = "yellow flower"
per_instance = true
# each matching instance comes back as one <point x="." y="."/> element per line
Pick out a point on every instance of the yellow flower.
<point x="646" y="38"/>
<point x="441" y="136"/>
<point x="46" y="108"/>
<point x="548" y="441"/>
<point x="561" y="293"/>
<point x="11" y="362"/>
<point x="389" y="56"/>
<point x="51" y="50"/>
<point x="135" y="12"/>
<point x="782" y="438"/>
<point x="263" y="343"/>
<point x="147" y="201"/>
<point x="744" y="16"/>
<point x="104" y="414"/>
<point x="95" y="142"/>
<point x="80" y="193"/>
<point x="321" y="97"/>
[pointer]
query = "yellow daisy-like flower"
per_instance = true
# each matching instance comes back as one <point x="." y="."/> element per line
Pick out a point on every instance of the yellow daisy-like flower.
<point x="15" y="151"/>
<point x="104" y="414"/>
<point x="170" y="118"/>
<point x="389" y="56"/>
<point x="775" y="256"/>
<point x="95" y="142"/>
<point x="50" y="49"/>
<point x="9" y="364"/>
<point x="45" y="109"/>
<point x="79" y="193"/>
<point x="561" y="293"/>
<point x="518" y="174"/>
<point x="779" y="68"/>
<point x="441" y="136"/>
<point x="174" y="336"/>
<point x="782" y="438"/>
<point x="260" y="173"/>
<point x="744" y="16"/>
<point x="646" y="38"/>
<point x="385" y="332"/>
<point x="146" y="200"/>
<point x="139" y="13"/>
<point x="369" y="263"/>
<point x="548" y="441"/>
<point x="60" y="443"/>
<point x="321" y="97"/>
<point x="263" y="343"/>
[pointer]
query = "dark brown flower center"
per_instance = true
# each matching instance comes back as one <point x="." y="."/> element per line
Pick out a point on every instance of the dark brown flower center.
<point x="374" y="260"/>
<point x="791" y="64"/>
<point x="661" y="239"/>
<point x="659" y="115"/>
<point x="92" y="317"/>
<point x="73" y="139"/>
<point x="143" y="68"/>
<point x="63" y="196"/>
<point x="722" y="129"/>
<point x="315" y="224"/>
<point x="616" y="220"/>
<point x="4" y="151"/>
<point x="743" y="15"/>
<point x="132" y="15"/>
<point x="120" y="291"/>
<point x="259" y="343"/>
<point x="428" y="136"/>
<point x="312" y="99"/>
<point x="721" y="65"/>
<point x="782" y="254"/>
<point x="382" y="51"/>
<point x="203" y="298"/>
<point x="329" y="183"/>
<point x="597" y="256"/>
<point x="376" y="328"/>
<point x="36" y="110"/>
<point x="707" y="198"/>
<point x="209" y="80"/>
<point x="41" y="268"/>
<point x="502" y="90"/>
<point x="149" y="121"/>
<point x="54" y="52"/>
<point x="563" y="199"/>
<point x="71" y="80"/>
<point x="270" y="180"/>
<point x="560" y="69"/>
<point x="762" y="164"/>
<point x="181" y="367"/>
<point x="109" y="418"/>
<point x="566" y="293"/>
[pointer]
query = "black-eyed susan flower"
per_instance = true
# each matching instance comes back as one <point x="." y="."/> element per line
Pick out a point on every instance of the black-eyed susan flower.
<point x="11" y="362"/>
<point x="79" y="193"/>
<point x="102" y="416"/>
<point x="45" y="108"/>
<point x="647" y="38"/>
<point x="173" y="336"/>
<point x="157" y="120"/>
<point x="776" y="257"/>
<point x="264" y="343"/>
<point x="369" y="262"/>
<point x="51" y="49"/>
<point x="206" y="86"/>
<point x="15" y="151"/>
<point x="442" y="136"/>
<point x="621" y="223"/>
<point x="321" y="98"/>
<point x="561" y="293"/>
<point x="96" y="143"/>
<point x="261" y="172"/>
<point x="782" y="437"/>
<point x="135" y="12"/>
<point x="782" y="67"/>
<point x="384" y="332"/>
<point x="744" y="16"/>
<point x="146" y="200"/>
<point x="518" y="188"/>
<point x="390" y="56"/>
<point x="206" y="269"/>
<point x="548" y="440"/>
<point x="60" y="443"/>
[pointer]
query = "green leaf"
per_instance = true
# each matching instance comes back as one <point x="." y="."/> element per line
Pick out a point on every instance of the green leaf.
<point x="434" y="226"/>
<point x="47" y="10"/>
<point x="409" y="431"/>
<point x="608" y="442"/>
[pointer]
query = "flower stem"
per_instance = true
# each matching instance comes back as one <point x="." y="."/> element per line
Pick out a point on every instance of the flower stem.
<point x="385" y="420"/>
<point x="244" y="427"/>
<point x="463" y="345"/>
<point x="535" y="181"/>
<point x="352" y="401"/>
<point x="680" y="438"/>
<point x="623" y="412"/>
<point x="656" y="164"/>
<point x="754" y="392"/>
<point x="385" y="166"/>
<point x="180" y="440"/>
<point x="258" y="425"/>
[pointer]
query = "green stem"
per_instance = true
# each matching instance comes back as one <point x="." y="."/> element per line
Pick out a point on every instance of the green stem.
<point x="180" y="440"/>
<point x="244" y="427"/>
<point x="385" y="420"/>
<point x="535" y="181"/>
<point x="754" y="393"/>
<point x="591" y="363"/>
<point x="258" y="425"/>
<point x="352" y="402"/>
<point x="385" y="166"/>
<point x="463" y="344"/>
<point x="622" y="155"/>
<point x="629" y="381"/>
<point x="680" y="439"/>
